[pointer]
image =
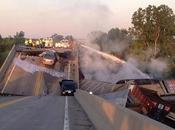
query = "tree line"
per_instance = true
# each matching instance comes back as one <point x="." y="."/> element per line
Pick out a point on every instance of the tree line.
<point x="154" y="27"/>
<point x="7" y="43"/>
<point x="152" y="35"/>
<point x="19" y="39"/>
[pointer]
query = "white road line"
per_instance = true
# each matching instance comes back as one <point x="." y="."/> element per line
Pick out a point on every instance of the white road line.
<point x="66" y="117"/>
<point x="68" y="70"/>
<point x="9" y="76"/>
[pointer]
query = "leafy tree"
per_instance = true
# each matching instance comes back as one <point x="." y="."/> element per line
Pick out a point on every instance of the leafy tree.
<point x="19" y="37"/>
<point x="117" y="34"/>
<point x="111" y="41"/>
<point x="0" y="38"/>
<point x="99" y="38"/>
<point x="113" y="34"/>
<point x="5" y="46"/>
<point x="69" y="37"/>
<point x="154" y="26"/>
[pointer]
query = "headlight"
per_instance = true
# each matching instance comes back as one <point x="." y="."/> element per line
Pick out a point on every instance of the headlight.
<point x="90" y="92"/>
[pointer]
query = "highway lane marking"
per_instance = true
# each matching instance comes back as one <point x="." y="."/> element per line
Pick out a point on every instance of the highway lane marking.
<point x="66" y="116"/>
<point x="68" y="70"/>
<point x="55" y="85"/>
<point x="5" y="104"/>
<point x="113" y="88"/>
<point x="38" y="83"/>
<point x="8" y="78"/>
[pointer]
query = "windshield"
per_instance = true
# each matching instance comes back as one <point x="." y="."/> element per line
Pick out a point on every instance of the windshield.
<point x="49" y="56"/>
<point x="69" y="86"/>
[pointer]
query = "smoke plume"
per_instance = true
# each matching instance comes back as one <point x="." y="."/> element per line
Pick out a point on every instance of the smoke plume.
<point x="157" y="67"/>
<point x="96" y="65"/>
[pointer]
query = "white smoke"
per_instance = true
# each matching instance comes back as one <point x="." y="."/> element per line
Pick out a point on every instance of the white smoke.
<point x="103" y="67"/>
<point x="101" y="39"/>
<point x="117" y="46"/>
<point x="157" y="67"/>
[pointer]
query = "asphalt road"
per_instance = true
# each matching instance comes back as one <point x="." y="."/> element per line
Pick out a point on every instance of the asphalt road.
<point x="43" y="113"/>
<point x="52" y="86"/>
<point x="20" y="82"/>
<point x="35" y="111"/>
<point x="4" y="99"/>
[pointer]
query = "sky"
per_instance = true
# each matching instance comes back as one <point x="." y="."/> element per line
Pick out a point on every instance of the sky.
<point x="42" y="18"/>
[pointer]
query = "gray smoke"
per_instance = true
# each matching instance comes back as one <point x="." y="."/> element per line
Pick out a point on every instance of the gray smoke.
<point x="116" y="46"/>
<point x="154" y="67"/>
<point x="105" y="44"/>
<point x="157" y="67"/>
<point x="98" y="67"/>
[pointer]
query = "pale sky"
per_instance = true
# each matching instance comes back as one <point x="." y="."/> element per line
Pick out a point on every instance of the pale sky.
<point x="42" y="18"/>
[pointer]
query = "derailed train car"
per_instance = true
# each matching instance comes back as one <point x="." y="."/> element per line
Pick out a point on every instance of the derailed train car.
<point x="150" y="102"/>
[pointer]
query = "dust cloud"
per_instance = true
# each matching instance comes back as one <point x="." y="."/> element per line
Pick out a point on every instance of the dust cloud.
<point x="156" y="68"/>
<point x="119" y="44"/>
<point x="97" y="66"/>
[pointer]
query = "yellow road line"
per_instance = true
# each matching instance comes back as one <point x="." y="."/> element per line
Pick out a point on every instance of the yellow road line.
<point x="69" y="70"/>
<point x="5" y="104"/>
<point x="8" y="78"/>
<point x="38" y="84"/>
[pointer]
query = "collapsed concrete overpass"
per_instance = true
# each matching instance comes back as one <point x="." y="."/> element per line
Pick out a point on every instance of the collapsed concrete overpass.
<point x="27" y="108"/>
